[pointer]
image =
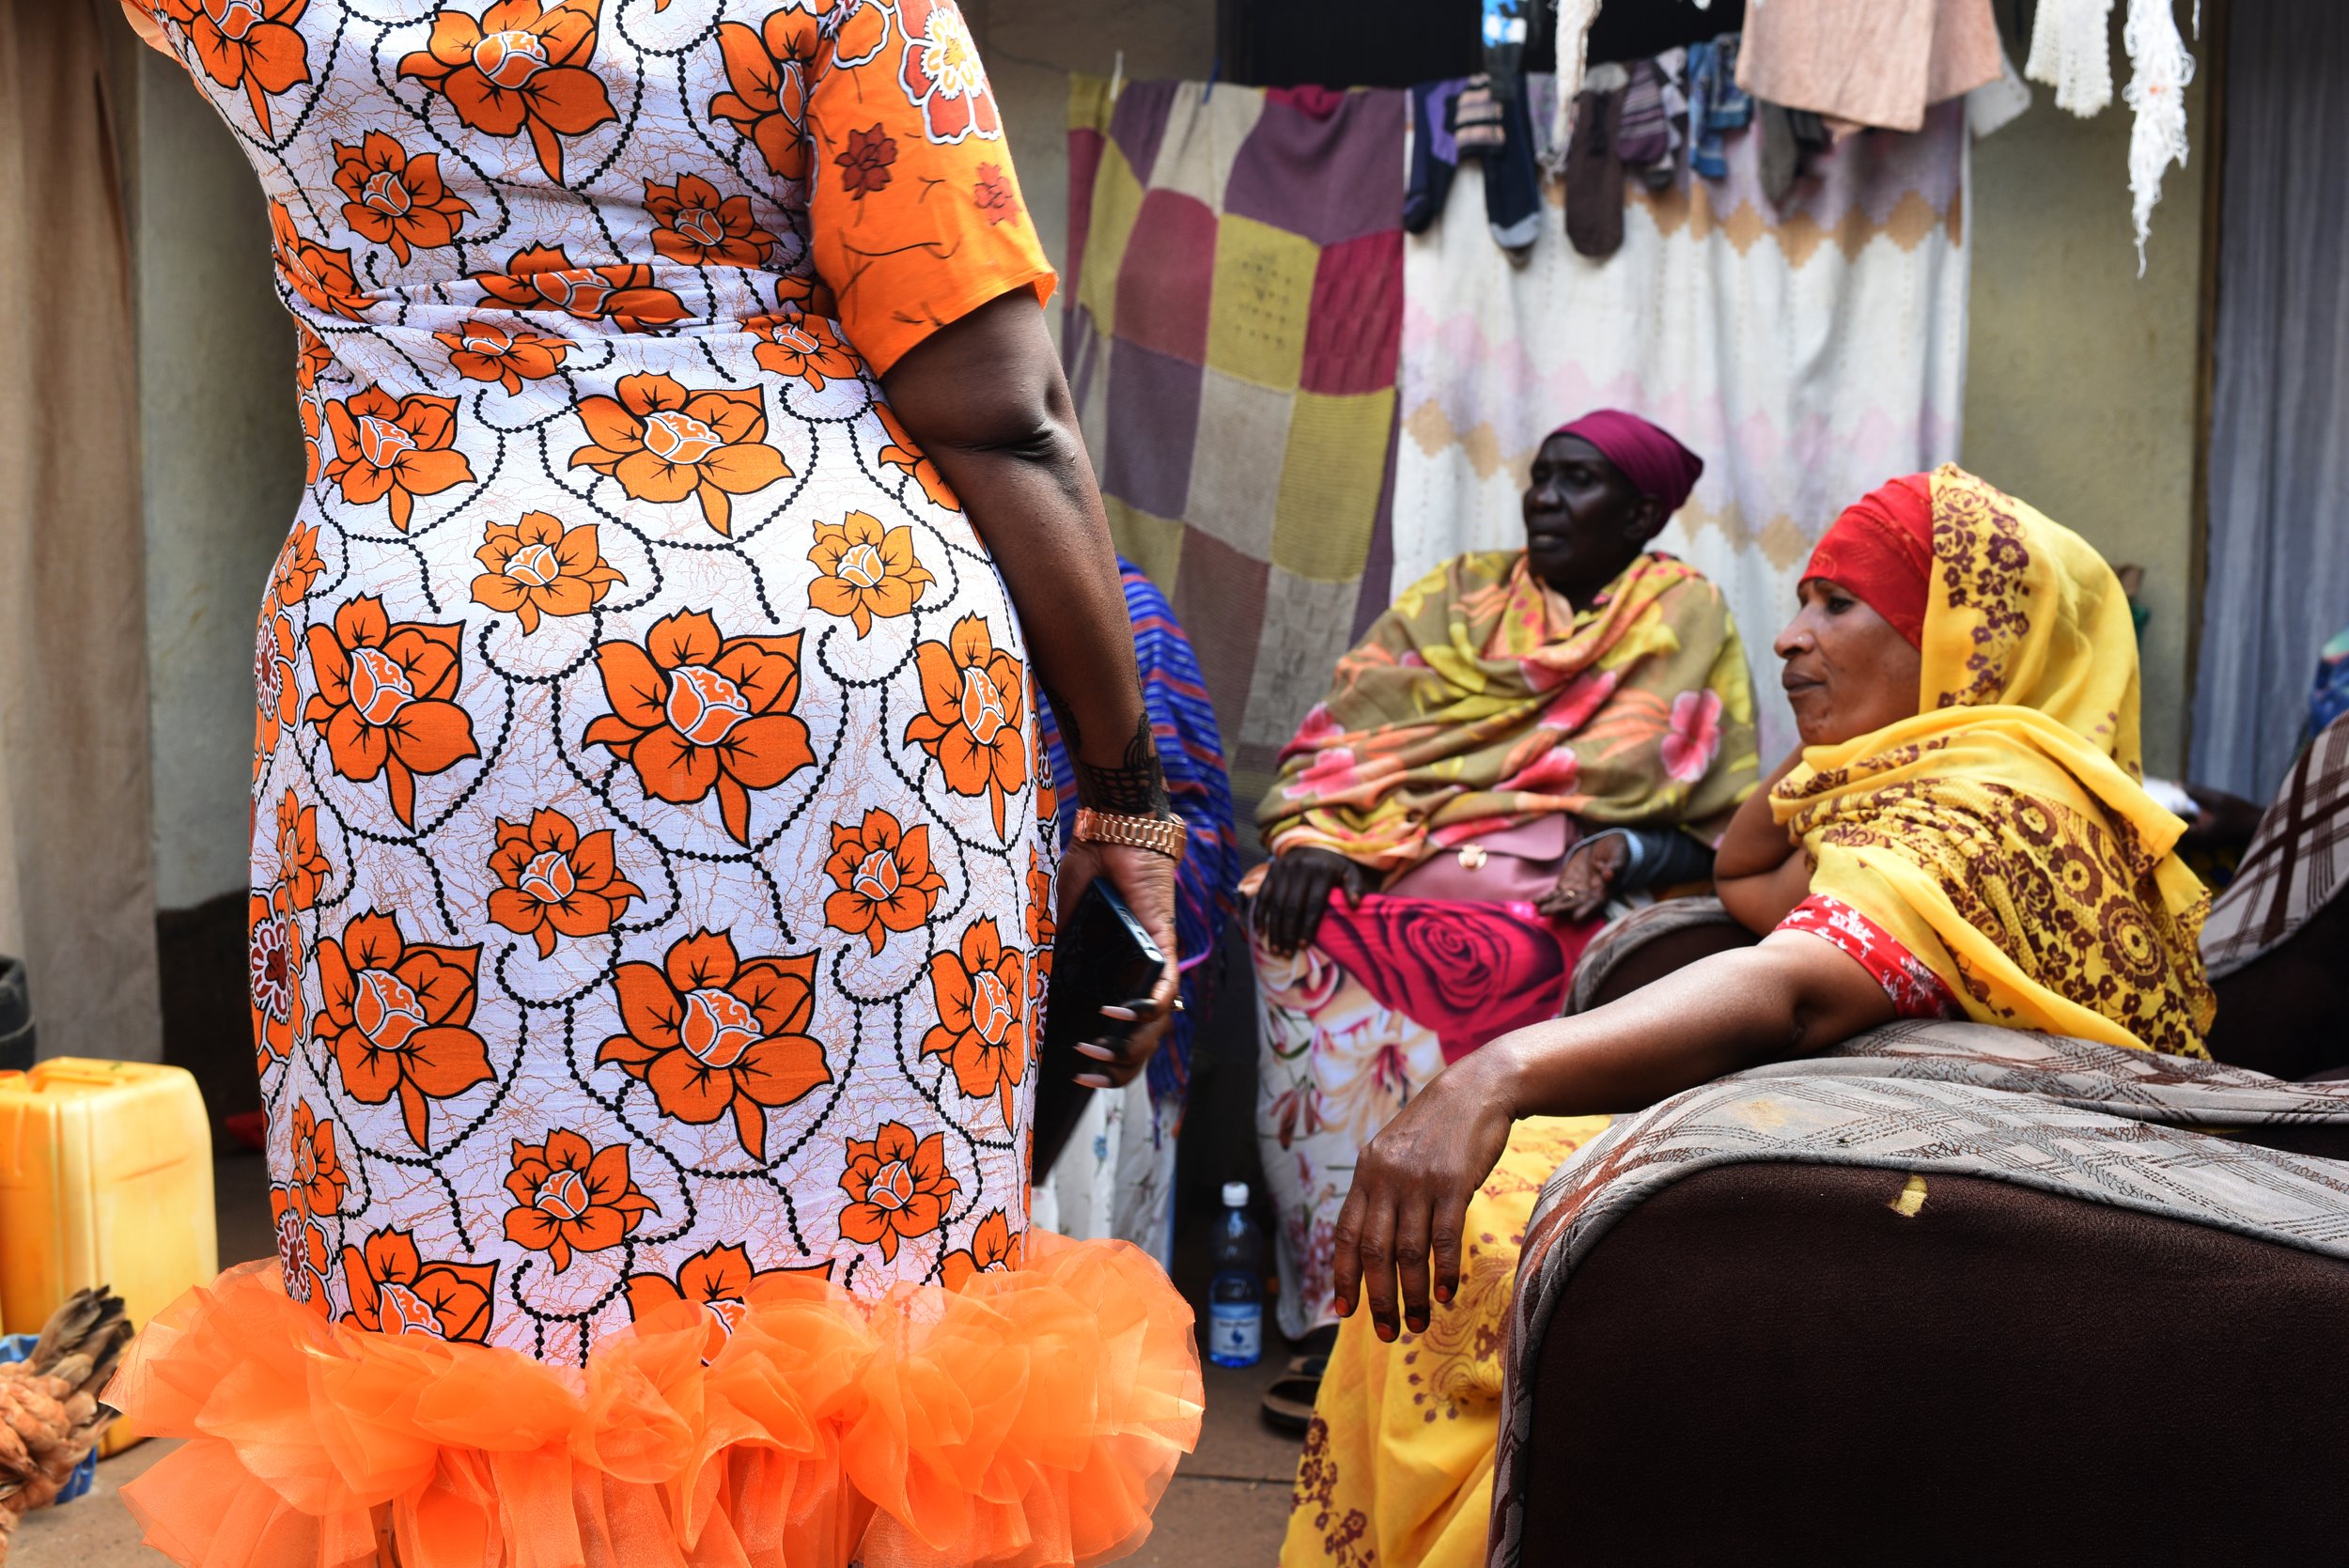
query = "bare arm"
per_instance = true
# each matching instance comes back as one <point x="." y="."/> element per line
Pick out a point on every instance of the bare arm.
<point x="1793" y="995"/>
<point x="985" y="400"/>
<point x="1756" y="872"/>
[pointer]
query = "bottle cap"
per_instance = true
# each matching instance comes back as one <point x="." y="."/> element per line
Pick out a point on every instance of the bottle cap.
<point x="1235" y="1195"/>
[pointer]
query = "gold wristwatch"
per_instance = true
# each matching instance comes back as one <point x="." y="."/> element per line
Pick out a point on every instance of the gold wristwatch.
<point x="1161" y="835"/>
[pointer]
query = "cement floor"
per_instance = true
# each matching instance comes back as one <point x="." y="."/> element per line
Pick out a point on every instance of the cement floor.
<point x="1226" y="1508"/>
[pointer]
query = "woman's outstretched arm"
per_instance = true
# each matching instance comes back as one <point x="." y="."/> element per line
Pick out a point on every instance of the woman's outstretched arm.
<point x="985" y="400"/>
<point x="1400" y="1229"/>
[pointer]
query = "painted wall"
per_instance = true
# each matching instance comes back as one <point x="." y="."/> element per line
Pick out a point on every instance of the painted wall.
<point x="221" y="468"/>
<point x="2081" y="376"/>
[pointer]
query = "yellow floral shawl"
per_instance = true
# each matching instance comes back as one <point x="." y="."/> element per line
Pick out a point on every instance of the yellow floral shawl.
<point x="1482" y="700"/>
<point x="2004" y="834"/>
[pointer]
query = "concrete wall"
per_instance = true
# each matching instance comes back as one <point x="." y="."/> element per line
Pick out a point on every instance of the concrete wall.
<point x="221" y="468"/>
<point x="2081" y="376"/>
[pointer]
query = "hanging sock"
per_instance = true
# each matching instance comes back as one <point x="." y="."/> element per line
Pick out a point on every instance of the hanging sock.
<point x="1477" y="117"/>
<point x="1594" y="175"/>
<point x="1791" y="141"/>
<point x="1513" y="184"/>
<point x="2069" y="53"/>
<point x="1780" y="155"/>
<point x="1716" y="104"/>
<point x="1499" y="135"/>
<point x="1541" y="107"/>
<point x="1644" y="140"/>
<point x="1673" y="64"/>
<point x="1462" y="118"/>
<point x="1434" y="153"/>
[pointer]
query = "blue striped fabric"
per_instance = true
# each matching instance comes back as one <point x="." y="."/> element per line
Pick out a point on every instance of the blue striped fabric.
<point x="1191" y="750"/>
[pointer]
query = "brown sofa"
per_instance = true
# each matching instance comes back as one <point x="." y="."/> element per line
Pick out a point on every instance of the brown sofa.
<point x="1771" y="1364"/>
<point x="1787" y="1362"/>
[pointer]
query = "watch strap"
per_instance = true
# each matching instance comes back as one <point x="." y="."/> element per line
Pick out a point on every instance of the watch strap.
<point x="1162" y="836"/>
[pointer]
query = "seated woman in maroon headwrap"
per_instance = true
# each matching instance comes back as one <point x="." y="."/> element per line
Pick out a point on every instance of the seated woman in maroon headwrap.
<point x="1521" y="736"/>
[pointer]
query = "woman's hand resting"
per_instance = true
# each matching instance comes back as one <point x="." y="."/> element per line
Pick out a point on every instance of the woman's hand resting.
<point x="1588" y="878"/>
<point x="1296" y="894"/>
<point x="1399" y="1233"/>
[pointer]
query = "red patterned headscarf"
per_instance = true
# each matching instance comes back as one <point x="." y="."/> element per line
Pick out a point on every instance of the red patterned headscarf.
<point x="1647" y="454"/>
<point x="1881" y="549"/>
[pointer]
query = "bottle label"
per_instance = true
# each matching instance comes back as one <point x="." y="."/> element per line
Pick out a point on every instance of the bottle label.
<point x="1236" y="1330"/>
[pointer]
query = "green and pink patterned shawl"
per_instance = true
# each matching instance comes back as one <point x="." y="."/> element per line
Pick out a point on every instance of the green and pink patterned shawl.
<point x="1482" y="700"/>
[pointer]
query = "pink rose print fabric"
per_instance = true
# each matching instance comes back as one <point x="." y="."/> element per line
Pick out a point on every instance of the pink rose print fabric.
<point x="1468" y="971"/>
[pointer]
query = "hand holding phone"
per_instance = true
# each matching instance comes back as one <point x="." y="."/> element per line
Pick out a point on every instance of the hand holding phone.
<point x="1104" y="957"/>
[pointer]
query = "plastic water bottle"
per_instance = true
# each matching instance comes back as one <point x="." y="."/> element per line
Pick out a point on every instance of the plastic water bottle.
<point x="1235" y="1300"/>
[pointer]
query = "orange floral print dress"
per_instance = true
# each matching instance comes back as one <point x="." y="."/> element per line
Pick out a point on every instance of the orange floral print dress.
<point x="649" y="870"/>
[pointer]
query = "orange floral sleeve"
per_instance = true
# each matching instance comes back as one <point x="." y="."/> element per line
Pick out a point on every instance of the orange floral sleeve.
<point x="146" y="25"/>
<point x="915" y="214"/>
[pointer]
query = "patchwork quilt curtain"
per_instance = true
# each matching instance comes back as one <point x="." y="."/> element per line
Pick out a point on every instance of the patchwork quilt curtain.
<point x="1235" y="301"/>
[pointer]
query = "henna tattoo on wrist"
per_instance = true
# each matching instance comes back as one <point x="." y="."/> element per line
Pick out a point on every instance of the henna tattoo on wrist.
<point x="1136" y="786"/>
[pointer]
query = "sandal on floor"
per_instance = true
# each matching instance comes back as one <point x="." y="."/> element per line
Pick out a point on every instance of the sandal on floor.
<point x="1309" y="1366"/>
<point x="1288" y="1405"/>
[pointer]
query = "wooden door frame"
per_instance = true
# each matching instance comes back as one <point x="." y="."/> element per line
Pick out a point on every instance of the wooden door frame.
<point x="2217" y="15"/>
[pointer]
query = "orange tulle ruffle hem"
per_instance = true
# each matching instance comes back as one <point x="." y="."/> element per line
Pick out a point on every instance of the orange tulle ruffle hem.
<point x="1030" y="1419"/>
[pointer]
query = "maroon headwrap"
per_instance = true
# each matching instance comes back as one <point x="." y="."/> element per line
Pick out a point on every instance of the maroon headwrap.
<point x="1881" y="549"/>
<point x="1647" y="454"/>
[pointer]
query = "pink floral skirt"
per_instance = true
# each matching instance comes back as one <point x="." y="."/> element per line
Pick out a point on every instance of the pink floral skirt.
<point x="1355" y="1024"/>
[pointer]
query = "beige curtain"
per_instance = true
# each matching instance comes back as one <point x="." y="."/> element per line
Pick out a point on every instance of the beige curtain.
<point x="77" y="897"/>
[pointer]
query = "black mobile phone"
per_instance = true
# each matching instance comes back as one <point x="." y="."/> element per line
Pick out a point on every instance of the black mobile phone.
<point x="1103" y="959"/>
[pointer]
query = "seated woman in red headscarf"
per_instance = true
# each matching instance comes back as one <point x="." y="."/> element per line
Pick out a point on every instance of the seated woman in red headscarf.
<point x="1963" y="835"/>
<point x="1523" y="734"/>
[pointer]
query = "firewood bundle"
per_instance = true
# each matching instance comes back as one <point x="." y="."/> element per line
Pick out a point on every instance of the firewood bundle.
<point x="50" y="1413"/>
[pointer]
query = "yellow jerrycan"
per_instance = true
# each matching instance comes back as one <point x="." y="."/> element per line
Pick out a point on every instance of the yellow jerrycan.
<point x="105" y="1178"/>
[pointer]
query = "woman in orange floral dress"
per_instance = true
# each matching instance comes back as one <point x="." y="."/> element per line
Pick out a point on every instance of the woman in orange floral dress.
<point x="651" y="900"/>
